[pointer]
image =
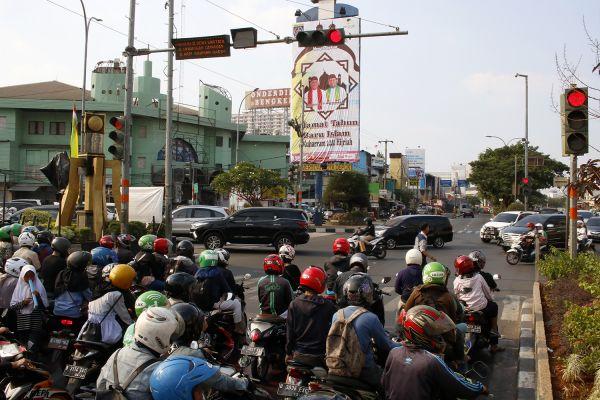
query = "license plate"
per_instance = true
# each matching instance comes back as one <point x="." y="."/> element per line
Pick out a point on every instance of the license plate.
<point x="253" y="351"/>
<point x="58" y="343"/>
<point x="474" y="328"/>
<point x="287" y="389"/>
<point x="75" y="371"/>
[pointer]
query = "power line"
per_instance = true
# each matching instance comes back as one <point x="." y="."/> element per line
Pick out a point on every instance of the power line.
<point x="242" y="18"/>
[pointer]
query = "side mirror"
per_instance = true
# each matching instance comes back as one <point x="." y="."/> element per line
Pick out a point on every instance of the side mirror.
<point x="386" y="279"/>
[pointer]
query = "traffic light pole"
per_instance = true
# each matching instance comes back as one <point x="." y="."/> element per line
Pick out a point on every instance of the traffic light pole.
<point x="301" y="133"/>
<point x="169" y="127"/>
<point x="573" y="207"/>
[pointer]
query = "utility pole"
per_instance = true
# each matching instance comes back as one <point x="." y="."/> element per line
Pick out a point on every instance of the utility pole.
<point x="526" y="161"/>
<point x="301" y="133"/>
<point x="129" y="51"/>
<point x="573" y="207"/>
<point x="169" y="127"/>
<point x="385" y="171"/>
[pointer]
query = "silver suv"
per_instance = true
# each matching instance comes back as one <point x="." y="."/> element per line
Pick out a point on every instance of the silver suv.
<point x="185" y="216"/>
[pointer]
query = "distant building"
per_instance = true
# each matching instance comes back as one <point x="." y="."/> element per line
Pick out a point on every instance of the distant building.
<point x="272" y="121"/>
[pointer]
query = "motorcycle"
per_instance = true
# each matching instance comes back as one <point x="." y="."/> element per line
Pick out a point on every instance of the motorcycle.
<point x="586" y="246"/>
<point x="332" y="387"/>
<point x="266" y="348"/>
<point x="298" y="378"/>
<point x="88" y="358"/>
<point x="375" y="247"/>
<point x="478" y="332"/>
<point x="252" y="393"/>
<point x="524" y="251"/>
<point x="62" y="335"/>
<point x="219" y="337"/>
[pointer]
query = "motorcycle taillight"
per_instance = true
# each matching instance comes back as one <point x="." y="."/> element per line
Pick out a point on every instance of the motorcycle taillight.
<point x="295" y="373"/>
<point x="314" y="386"/>
<point x="255" y="335"/>
<point x="66" y="322"/>
<point x="471" y="318"/>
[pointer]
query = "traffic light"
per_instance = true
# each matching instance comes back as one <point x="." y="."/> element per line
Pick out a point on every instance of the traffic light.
<point x="319" y="38"/>
<point x="93" y="123"/>
<point x="575" y="127"/>
<point x="92" y="133"/>
<point x="118" y="136"/>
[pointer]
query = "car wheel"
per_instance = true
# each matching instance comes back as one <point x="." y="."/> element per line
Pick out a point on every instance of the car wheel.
<point x="213" y="241"/>
<point x="438" y="242"/>
<point x="486" y="240"/>
<point x="390" y="243"/>
<point x="282" y="240"/>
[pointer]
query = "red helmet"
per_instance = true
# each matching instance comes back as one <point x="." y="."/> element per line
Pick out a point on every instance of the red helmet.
<point x="273" y="265"/>
<point x="464" y="265"/>
<point x="107" y="241"/>
<point x="341" y="246"/>
<point x="530" y="225"/>
<point x="313" y="278"/>
<point x="161" y="246"/>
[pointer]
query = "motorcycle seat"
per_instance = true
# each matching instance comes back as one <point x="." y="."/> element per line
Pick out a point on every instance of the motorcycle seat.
<point x="274" y="319"/>
<point x="344" y="381"/>
<point x="97" y="345"/>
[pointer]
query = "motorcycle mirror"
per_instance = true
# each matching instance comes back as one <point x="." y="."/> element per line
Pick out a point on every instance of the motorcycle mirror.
<point x="247" y="276"/>
<point x="386" y="279"/>
<point x="497" y="277"/>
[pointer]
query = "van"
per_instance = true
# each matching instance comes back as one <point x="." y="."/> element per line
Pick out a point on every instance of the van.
<point x="402" y="231"/>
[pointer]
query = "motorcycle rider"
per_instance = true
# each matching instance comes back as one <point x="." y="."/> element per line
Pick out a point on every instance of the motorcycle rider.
<point x="155" y="330"/>
<point x="124" y="253"/>
<point x="209" y="277"/>
<point x="366" y="234"/>
<point x="161" y="247"/>
<point x="291" y="271"/>
<point x="6" y="248"/>
<point x="274" y="291"/>
<point x="177" y="287"/>
<point x="8" y="282"/>
<point x="340" y="262"/>
<point x="409" y="277"/>
<point x="184" y="261"/>
<point x="72" y="287"/>
<point x="148" y="299"/>
<point x="421" y="243"/>
<point x="43" y="248"/>
<point x="582" y="236"/>
<point x="470" y="287"/>
<point x="227" y="274"/>
<point x="150" y="271"/>
<point x="416" y="370"/>
<point x="26" y="243"/>
<point x="478" y="258"/>
<point x="308" y="320"/>
<point x="54" y="263"/>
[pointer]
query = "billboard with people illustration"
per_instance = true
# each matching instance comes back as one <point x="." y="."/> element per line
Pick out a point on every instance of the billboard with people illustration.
<point x="326" y="95"/>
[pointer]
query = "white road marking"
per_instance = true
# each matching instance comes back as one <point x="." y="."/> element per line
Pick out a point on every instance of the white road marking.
<point x="510" y="308"/>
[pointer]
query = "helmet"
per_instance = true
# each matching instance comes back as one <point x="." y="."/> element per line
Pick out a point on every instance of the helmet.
<point x="208" y="258"/>
<point x="162" y="246"/>
<point x="273" y="265"/>
<point x="146" y="242"/>
<point x="358" y="290"/>
<point x="478" y="258"/>
<point x="540" y="226"/>
<point x="434" y="273"/>
<point x="313" y="278"/>
<point x="424" y="327"/>
<point x="13" y="266"/>
<point x="341" y="246"/>
<point x="223" y="256"/>
<point x="156" y="328"/>
<point x="79" y="260"/>
<point x="177" y="376"/>
<point x="361" y="259"/>
<point x="30" y="229"/>
<point x="125" y="240"/>
<point x="26" y="239"/>
<point x="122" y="276"/>
<point x="185" y="248"/>
<point x="287" y="252"/>
<point x="368" y="221"/>
<point x="194" y="321"/>
<point x="102" y="256"/>
<point x="464" y="265"/>
<point x="106" y="270"/>
<point x="178" y="285"/>
<point x="4" y="235"/>
<point x="16" y="229"/>
<point x="530" y="225"/>
<point x="148" y="299"/>
<point x="107" y="241"/>
<point x="128" y="335"/>
<point x="62" y="245"/>
<point x="413" y="256"/>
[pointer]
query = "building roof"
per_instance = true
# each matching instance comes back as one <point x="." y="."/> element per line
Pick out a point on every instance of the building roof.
<point x="51" y="90"/>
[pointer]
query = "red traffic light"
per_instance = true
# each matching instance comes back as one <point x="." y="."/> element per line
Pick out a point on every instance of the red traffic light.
<point x="525" y="181"/>
<point x="118" y="122"/>
<point x="576" y="98"/>
<point x="336" y="36"/>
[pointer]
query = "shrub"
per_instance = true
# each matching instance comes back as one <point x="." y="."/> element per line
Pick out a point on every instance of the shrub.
<point x="515" y="207"/>
<point x="85" y="235"/>
<point x="557" y="264"/>
<point x="66" y="232"/>
<point x="40" y="217"/>
<point x="580" y="327"/>
<point x="137" y="229"/>
<point x="114" y="227"/>
<point x="353" y="218"/>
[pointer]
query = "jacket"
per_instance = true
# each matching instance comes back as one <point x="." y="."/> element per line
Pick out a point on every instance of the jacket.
<point x="43" y="250"/>
<point x="435" y="296"/>
<point x="216" y="282"/>
<point x="51" y="266"/>
<point x="7" y="287"/>
<point x="337" y="263"/>
<point x="473" y="291"/>
<point x="274" y="294"/>
<point x="308" y="323"/>
<point x="292" y="273"/>
<point x="30" y="256"/>
<point x="103" y="306"/>
<point x="489" y="279"/>
<point x="420" y="375"/>
<point x="407" y="279"/>
<point x="69" y="304"/>
<point x="146" y="264"/>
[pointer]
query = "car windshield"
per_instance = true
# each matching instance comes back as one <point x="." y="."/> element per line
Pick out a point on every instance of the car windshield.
<point x="595" y="221"/>
<point x="584" y="214"/>
<point x="536" y="219"/>
<point x="505" y="217"/>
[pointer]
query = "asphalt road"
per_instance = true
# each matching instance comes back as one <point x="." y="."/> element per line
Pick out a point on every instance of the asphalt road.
<point x="515" y="285"/>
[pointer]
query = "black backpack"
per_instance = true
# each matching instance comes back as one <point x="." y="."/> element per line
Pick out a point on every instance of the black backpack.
<point x="201" y="294"/>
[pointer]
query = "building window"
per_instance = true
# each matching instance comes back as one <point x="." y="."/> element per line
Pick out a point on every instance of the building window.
<point x="2" y="122"/>
<point x="57" y="128"/>
<point x="36" y="127"/>
<point x="142" y="131"/>
<point x="219" y="141"/>
<point x="229" y="143"/>
<point x="218" y="167"/>
<point x="141" y="162"/>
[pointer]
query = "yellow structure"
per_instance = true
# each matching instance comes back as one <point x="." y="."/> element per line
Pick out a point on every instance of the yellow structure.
<point x="399" y="169"/>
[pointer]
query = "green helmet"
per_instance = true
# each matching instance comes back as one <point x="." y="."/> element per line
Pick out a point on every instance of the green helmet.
<point x="128" y="336"/>
<point x="146" y="242"/>
<point x="434" y="273"/>
<point x="148" y="299"/>
<point x="16" y="229"/>
<point x="208" y="258"/>
<point x="4" y="235"/>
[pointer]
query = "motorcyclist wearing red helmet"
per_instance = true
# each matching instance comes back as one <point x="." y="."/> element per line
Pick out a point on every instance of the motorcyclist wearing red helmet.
<point x="340" y="262"/>
<point x="471" y="288"/>
<point x="274" y="291"/>
<point x="308" y="320"/>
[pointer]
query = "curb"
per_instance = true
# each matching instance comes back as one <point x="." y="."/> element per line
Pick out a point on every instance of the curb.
<point x="544" y="382"/>
<point x="526" y="368"/>
<point x="332" y="230"/>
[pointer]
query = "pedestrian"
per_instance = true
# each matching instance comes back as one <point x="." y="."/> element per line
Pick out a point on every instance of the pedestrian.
<point x="421" y="244"/>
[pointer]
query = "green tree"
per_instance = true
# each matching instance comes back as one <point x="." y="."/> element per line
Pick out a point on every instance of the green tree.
<point x="349" y="188"/>
<point x="248" y="182"/>
<point x="494" y="172"/>
<point x="405" y="195"/>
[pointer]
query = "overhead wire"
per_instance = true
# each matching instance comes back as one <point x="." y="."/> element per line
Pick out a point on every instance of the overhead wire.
<point x="243" y="18"/>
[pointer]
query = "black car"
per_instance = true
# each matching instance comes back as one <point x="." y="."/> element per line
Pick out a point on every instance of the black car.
<point x="555" y="226"/>
<point x="259" y="225"/>
<point x="402" y="231"/>
<point x="593" y="228"/>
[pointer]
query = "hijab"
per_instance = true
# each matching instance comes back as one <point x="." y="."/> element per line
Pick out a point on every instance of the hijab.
<point x="71" y="279"/>
<point x="23" y="291"/>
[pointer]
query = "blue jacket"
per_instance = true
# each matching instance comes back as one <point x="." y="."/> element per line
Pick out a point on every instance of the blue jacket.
<point x="217" y="283"/>
<point x="68" y="304"/>
<point x="407" y="279"/>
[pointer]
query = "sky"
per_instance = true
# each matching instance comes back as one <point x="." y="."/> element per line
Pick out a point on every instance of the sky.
<point x="443" y="87"/>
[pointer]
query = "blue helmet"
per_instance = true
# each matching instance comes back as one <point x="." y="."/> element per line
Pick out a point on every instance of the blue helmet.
<point x="177" y="376"/>
<point x="101" y="256"/>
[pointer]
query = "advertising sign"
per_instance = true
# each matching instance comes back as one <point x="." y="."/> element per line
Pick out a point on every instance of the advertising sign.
<point x="338" y="167"/>
<point x="415" y="159"/>
<point x="377" y="162"/>
<point x="202" y="47"/>
<point x="326" y="95"/>
<point x="446" y="182"/>
<point x="268" y="98"/>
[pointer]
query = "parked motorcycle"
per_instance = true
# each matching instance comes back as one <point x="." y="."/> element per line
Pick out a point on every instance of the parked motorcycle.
<point x="266" y="348"/>
<point x="524" y="251"/>
<point x="375" y="247"/>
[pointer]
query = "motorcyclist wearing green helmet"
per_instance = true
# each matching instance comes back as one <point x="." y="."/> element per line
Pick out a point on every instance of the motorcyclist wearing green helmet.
<point x="150" y="271"/>
<point x="209" y="276"/>
<point x="6" y="248"/>
<point x="148" y="299"/>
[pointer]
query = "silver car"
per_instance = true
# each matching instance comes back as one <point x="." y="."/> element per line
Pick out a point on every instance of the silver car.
<point x="185" y="216"/>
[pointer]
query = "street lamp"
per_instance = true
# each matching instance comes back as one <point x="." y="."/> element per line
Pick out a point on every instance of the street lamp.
<point x="526" y="161"/>
<point x="86" y="23"/>
<point x="503" y="141"/>
<point x="237" y="126"/>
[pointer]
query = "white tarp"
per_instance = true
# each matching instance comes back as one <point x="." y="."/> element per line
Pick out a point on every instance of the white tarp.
<point x="145" y="203"/>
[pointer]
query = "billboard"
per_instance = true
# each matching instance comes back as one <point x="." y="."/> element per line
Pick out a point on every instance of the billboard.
<point x="268" y="98"/>
<point x="326" y="96"/>
<point x="415" y="159"/>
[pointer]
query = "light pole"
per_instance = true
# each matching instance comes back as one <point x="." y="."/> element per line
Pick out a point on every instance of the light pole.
<point x="526" y="161"/>
<point x="506" y="145"/>
<point x="86" y="23"/>
<point x="237" y="125"/>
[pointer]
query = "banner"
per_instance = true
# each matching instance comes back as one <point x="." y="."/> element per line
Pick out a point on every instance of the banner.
<point x="326" y="95"/>
<point x="268" y="98"/>
<point x="415" y="159"/>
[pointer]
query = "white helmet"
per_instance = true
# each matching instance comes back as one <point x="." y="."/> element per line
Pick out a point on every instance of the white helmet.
<point x="413" y="256"/>
<point x="579" y="223"/>
<point x="539" y="226"/>
<point x="287" y="252"/>
<point x="13" y="266"/>
<point x="26" y="239"/>
<point x="156" y="328"/>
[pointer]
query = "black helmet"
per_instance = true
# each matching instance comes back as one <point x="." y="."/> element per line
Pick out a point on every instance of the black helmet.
<point x="62" y="245"/>
<point x="359" y="290"/>
<point x="194" y="321"/>
<point x="44" y="237"/>
<point x="79" y="260"/>
<point x="185" y="248"/>
<point x="368" y="221"/>
<point x="177" y="286"/>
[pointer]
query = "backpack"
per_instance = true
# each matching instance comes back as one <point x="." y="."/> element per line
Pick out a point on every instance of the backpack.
<point x="201" y="294"/>
<point x="344" y="355"/>
<point x="117" y="392"/>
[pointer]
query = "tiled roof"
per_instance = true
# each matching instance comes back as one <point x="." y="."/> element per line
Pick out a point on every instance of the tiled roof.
<point x="52" y="90"/>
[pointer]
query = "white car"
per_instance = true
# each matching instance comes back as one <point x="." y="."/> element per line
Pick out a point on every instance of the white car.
<point x="491" y="230"/>
<point x="185" y="216"/>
